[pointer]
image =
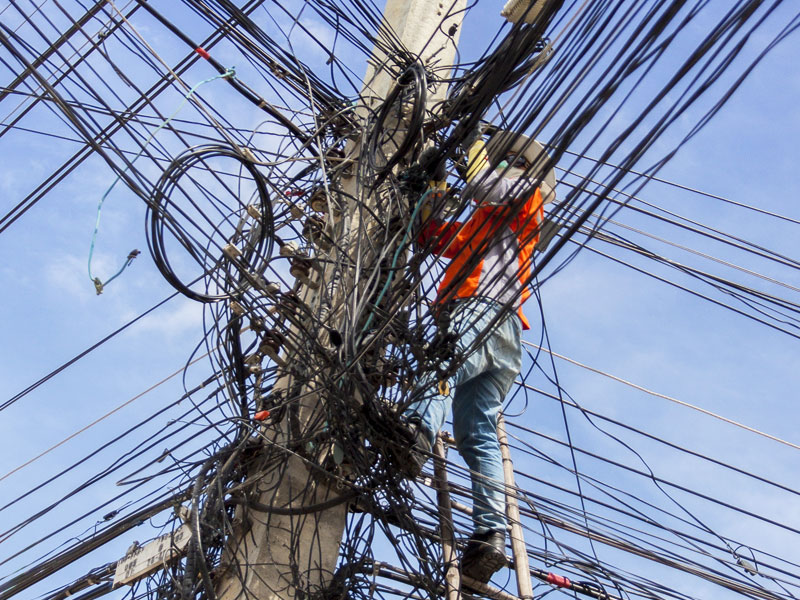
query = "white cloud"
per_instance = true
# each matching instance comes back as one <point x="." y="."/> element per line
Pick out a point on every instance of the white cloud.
<point x="67" y="276"/>
<point x="179" y="318"/>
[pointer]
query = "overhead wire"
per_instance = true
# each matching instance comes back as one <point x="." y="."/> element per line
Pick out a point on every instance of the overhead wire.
<point x="364" y="331"/>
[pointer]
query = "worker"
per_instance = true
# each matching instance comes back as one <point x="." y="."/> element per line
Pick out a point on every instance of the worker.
<point x="490" y="266"/>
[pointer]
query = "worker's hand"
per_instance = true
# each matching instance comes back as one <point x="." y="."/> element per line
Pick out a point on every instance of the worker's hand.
<point x="473" y="136"/>
<point x="474" y="148"/>
<point x="436" y="171"/>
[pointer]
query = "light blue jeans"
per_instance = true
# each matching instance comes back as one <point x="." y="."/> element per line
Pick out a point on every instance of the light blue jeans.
<point x="477" y="391"/>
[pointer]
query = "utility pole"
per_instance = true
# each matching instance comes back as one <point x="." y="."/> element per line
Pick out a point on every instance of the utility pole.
<point x="292" y="549"/>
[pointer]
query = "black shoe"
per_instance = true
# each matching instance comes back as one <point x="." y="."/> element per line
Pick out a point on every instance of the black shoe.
<point x="484" y="555"/>
<point x="414" y="449"/>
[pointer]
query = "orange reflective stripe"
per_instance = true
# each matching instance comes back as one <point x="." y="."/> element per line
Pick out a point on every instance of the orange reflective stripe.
<point x="526" y="227"/>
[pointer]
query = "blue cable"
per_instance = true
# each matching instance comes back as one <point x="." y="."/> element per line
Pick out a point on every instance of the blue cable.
<point x="397" y="254"/>
<point x="98" y="284"/>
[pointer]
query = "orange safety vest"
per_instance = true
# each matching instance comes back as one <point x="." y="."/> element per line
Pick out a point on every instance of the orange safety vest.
<point x="469" y="244"/>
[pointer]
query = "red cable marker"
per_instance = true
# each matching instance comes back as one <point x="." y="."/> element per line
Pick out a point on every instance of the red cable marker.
<point x="261" y="415"/>
<point x="558" y="580"/>
<point x="202" y="52"/>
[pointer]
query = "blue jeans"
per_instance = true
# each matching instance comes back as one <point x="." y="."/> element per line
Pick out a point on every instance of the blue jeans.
<point x="477" y="391"/>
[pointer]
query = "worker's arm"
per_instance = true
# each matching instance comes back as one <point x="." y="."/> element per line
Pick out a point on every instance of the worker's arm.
<point x="477" y="159"/>
<point x="443" y="237"/>
<point x="440" y="235"/>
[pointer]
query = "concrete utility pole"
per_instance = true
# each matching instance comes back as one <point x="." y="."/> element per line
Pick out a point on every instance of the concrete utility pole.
<point x="270" y="553"/>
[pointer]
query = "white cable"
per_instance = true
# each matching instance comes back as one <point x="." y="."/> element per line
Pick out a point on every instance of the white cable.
<point x="665" y="397"/>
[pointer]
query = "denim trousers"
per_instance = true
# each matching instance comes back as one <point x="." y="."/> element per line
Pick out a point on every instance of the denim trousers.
<point x="476" y="392"/>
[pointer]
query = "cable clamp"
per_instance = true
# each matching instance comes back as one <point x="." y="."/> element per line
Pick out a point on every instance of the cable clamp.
<point x="749" y="567"/>
<point x="231" y="251"/>
<point x="253" y="212"/>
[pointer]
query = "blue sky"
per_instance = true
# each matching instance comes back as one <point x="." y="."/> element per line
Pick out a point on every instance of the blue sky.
<point x="597" y="312"/>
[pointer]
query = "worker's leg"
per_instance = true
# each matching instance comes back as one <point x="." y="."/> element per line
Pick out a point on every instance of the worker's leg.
<point x="475" y="408"/>
<point x="429" y="407"/>
<point x="477" y="403"/>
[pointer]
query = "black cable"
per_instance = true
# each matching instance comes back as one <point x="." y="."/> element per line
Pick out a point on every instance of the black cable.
<point x="79" y="356"/>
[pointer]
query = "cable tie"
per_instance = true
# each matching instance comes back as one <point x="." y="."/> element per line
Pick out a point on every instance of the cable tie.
<point x="202" y="52"/>
<point x="248" y="154"/>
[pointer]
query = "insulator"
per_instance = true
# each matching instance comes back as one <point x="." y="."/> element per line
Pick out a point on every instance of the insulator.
<point x="271" y="339"/>
<point x="301" y="270"/>
<point x="312" y="227"/>
<point x="323" y="242"/>
<point x="272" y="399"/>
<point x="314" y="232"/>
<point x="271" y="345"/>
<point x="269" y="288"/>
<point x="319" y="200"/>
<point x="291" y="304"/>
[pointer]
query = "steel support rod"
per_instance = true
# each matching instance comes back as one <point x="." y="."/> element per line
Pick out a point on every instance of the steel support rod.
<point x="452" y="576"/>
<point x="519" y="551"/>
